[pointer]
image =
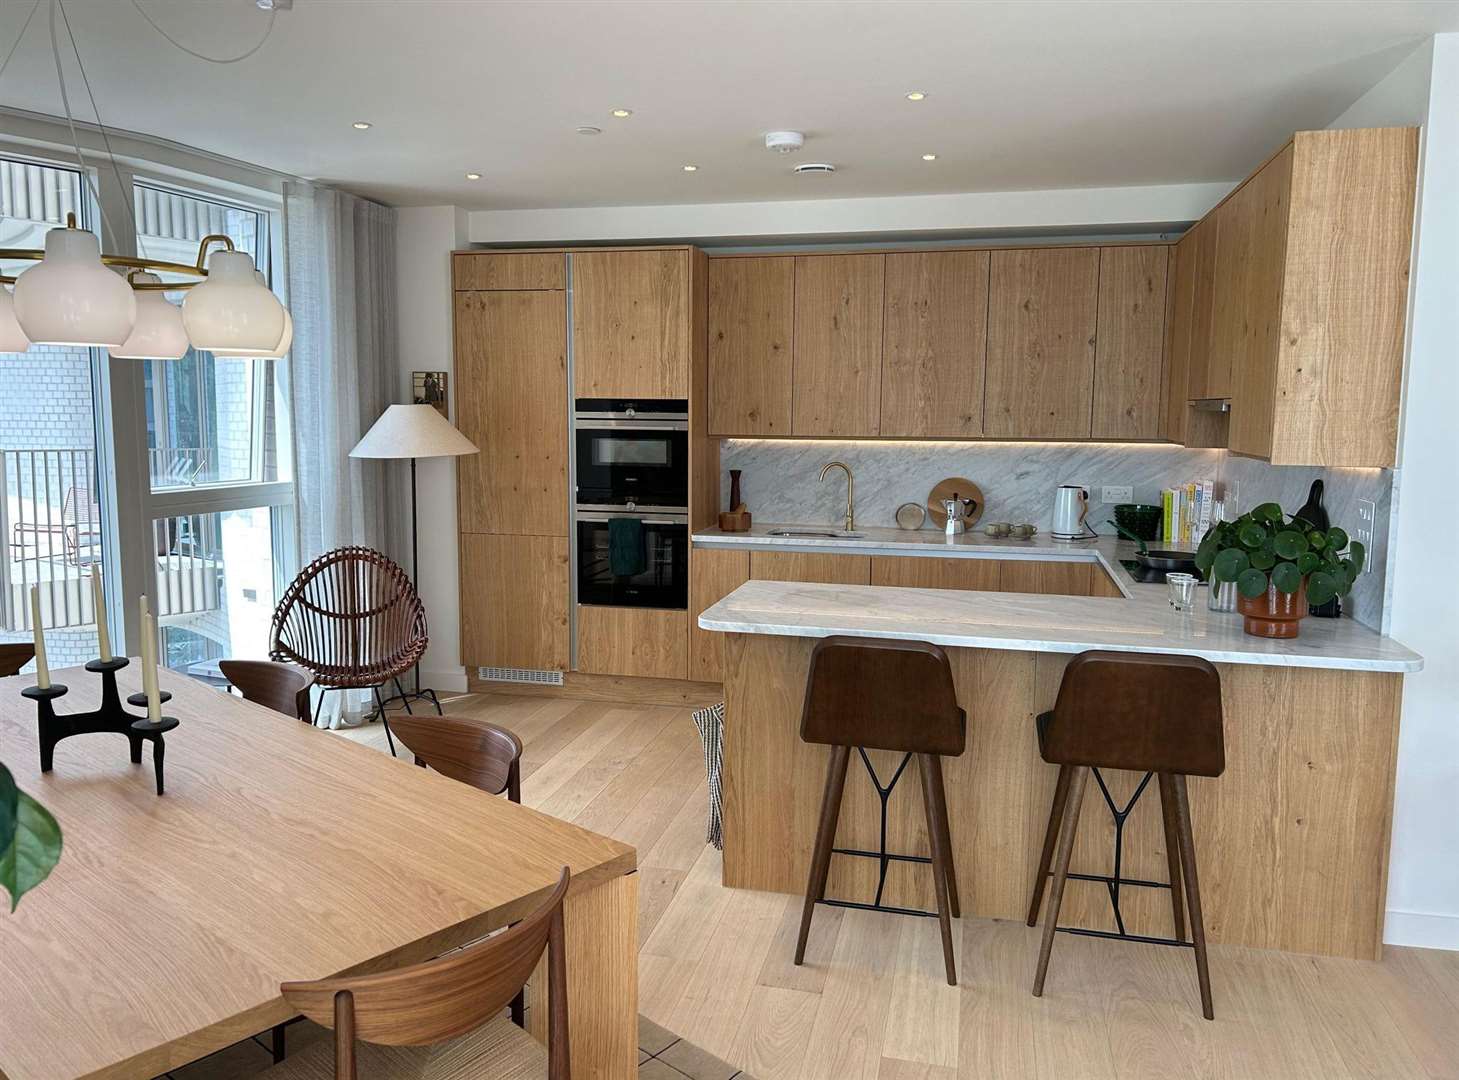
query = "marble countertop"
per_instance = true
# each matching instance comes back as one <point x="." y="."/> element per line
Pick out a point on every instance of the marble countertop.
<point x="1140" y="621"/>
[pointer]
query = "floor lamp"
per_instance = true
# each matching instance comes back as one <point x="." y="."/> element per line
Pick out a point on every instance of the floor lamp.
<point x="411" y="432"/>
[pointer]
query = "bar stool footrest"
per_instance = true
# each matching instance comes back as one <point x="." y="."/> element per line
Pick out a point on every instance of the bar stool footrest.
<point x="878" y="907"/>
<point x="1114" y="936"/>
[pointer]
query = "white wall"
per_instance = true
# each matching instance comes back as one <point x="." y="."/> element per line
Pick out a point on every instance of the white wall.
<point x="1423" y="880"/>
<point x="425" y="238"/>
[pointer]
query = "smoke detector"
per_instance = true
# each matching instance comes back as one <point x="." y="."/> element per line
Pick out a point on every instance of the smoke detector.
<point x="784" y="142"/>
<point x="814" y="167"/>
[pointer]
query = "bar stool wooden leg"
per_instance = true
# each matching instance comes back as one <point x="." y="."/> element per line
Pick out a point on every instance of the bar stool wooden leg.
<point x="1192" y="891"/>
<point x="825" y="840"/>
<point x="932" y="776"/>
<point x="1051" y="837"/>
<point x="1078" y="774"/>
<point x="1172" y="854"/>
<point x="939" y="793"/>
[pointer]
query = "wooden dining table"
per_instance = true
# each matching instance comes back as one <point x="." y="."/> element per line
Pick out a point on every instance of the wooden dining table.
<point x="278" y="852"/>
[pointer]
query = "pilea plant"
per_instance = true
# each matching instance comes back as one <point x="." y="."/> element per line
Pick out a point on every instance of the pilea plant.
<point x="1267" y="548"/>
<point x="30" y="840"/>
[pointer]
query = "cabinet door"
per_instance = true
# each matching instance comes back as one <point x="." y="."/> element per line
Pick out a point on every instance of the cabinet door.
<point x="1209" y="371"/>
<point x="1251" y="249"/>
<point x="1129" y="347"/>
<point x="914" y="572"/>
<point x="514" y="601"/>
<point x="1042" y="307"/>
<point x="751" y="331"/>
<point x="713" y="575"/>
<point x="1050" y="578"/>
<point x="804" y="566"/>
<point x="645" y="643"/>
<point x="934" y="343"/>
<point x="503" y="270"/>
<point x="838" y="337"/>
<point x="511" y="401"/>
<point x="630" y="324"/>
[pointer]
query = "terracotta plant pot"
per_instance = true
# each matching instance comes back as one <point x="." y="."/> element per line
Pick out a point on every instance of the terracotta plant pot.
<point x="1273" y="614"/>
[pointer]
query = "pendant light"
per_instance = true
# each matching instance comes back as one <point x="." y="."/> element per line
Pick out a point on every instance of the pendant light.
<point x="158" y="333"/>
<point x="231" y="311"/>
<point x="278" y="351"/>
<point x="12" y="337"/>
<point x="70" y="298"/>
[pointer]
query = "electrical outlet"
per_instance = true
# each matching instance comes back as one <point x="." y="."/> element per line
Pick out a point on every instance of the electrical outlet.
<point x="1110" y="494"/>
<point x="1367" y="521"/>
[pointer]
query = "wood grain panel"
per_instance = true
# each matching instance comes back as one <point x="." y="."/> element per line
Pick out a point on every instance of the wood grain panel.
<point x="713" y="575"/>
<point x="499" y="270"/>
<point x="514" y="601"/>
<point x="1210" y="371"/>
<point x="804" y="566"/>
<point x="704" y="477"/>
<point x="838" y="343"/>
<point x="1129" y="347"/>
<point x="631" y="335"/>
<point x="1042" y="312"/>
<point x="1052" y="578"/>
<point x="511" y="401"/>
<point x="646" y="642"/>
<point x="1176" y="374"/>
<point x="751" y="339"/>
<point x="934" y="343"/>
<point x="1101" y="584"/>
<point x="924" y="573"/>
<point x="1345" y="301"/>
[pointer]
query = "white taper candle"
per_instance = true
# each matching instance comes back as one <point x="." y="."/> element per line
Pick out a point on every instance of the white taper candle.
<point x="42" y="670"/>
<point x="98" y="603"/>
<point x="154" y="698"/>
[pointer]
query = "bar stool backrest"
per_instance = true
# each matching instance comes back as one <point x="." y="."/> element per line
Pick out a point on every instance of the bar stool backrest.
<point x="1140" y="711"/>
<point x="882" y="695"/>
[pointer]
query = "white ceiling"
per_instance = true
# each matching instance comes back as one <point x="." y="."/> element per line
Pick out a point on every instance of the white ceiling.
<point x="1020" y="96"/>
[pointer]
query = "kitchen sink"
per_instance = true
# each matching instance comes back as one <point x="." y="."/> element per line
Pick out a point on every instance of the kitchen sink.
<point x="817" y="534"/>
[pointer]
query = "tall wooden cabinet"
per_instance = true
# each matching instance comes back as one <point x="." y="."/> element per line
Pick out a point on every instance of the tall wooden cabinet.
<point x="630" y="323"/>
<point x="838" y="339"/>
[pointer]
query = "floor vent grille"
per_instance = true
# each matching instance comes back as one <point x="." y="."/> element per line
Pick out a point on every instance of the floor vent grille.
<point x="519" y="675"/>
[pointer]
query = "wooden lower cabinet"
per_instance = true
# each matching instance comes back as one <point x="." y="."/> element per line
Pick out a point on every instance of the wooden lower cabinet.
<point x="713" y="575"/>
<point x="514" y="601"/>
<point x="805" y="566"/>
<point x="1101" y="584"/>
<point x="650" y="643"/>
<point x="912" y="572"/>
<point x="1053" y="578"/>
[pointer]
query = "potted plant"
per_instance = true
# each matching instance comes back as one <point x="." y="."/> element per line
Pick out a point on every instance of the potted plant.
<point x="1280" y="564"/>
<point x="30" y="840"/>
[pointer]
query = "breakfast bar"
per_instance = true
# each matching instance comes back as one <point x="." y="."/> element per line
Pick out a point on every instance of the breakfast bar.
<point x="1293" y="837"/>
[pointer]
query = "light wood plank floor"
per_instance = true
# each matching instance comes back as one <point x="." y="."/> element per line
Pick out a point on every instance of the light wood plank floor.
<point x="871" y="1002"/>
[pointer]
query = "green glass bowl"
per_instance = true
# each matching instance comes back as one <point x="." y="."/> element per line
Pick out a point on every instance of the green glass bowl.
<point x="1141" y="519"/>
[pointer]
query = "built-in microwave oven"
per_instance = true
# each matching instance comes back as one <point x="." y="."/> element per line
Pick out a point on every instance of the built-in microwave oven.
<point x="632" y="455"/>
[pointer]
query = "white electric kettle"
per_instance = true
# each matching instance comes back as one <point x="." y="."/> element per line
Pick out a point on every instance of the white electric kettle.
<point x="1071" y="503"/>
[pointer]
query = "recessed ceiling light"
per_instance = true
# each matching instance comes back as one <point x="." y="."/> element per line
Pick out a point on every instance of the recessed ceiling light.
<point x="361" y="125"/>
<point x="929" y="157"/>
<point x="916" y="95"/>
<point x="588" y="129"/>
<point x="691" y="168"/>
<point x="623" y="114"/>
<point x="473" y="176"/>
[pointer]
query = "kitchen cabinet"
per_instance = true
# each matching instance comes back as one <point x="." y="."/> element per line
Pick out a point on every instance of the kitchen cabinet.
<point x="751" y="337"/>
<point x="514" y="601"/>
<point x="631" y="324"/>
<point x="713" y="575"/>
<point x="838" y="345"/>
<point x="934" y="343"/>
<point x="490" y="270"/>
<point x="1042" y="310"/>
<point x="1129" y="348"/>
<point x="1208" y="372"/>
<point x="1101" y="584"/>
<point x="920" y="572"/>
<point x="806" y="566"/>
<point x="1051" y="578"/>
<point x="511" y="401"/>
<point x="650" y="643"/>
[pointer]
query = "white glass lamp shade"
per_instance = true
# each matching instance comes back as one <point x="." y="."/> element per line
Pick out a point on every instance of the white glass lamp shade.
<point x="12" y="337"/>
<point x="158" y="333"/>
<point x="278" y="351"/>
<point x="231" y="312"/>
<point x="70" y="298"/>
<point x="412" y="431"/>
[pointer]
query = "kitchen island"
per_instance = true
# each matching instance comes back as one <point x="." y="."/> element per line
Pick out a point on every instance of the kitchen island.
<point x="1292" y="840"/>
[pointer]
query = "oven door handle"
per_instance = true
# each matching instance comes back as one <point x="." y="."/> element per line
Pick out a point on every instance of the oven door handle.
<point x="646" y="520"/>
<point x="590" y="424"/>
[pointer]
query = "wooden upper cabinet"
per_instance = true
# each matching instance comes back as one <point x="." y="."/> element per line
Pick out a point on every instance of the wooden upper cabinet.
<point x="508" y="270"/>
<point x="630" y="324"/>
<point x="1042" y="310"/>
<point x="751" y="334"/>
<point x="934" y="343"/>
<point x="1129" y="349"/>
<point x="1209" y="372"/>
<point x="511" y="401"/>
<point x="838" y="345"/>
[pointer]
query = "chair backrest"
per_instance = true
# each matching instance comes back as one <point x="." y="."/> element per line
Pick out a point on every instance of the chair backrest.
<point x="15" y="657"/>
<point x="1143" y="711"/>
<point x="472" y="751"/>
<point x="883" y="695"/>
<point x="449" y="996"/>
<point x="281" y="687"/>
<point x="352" y="617"/>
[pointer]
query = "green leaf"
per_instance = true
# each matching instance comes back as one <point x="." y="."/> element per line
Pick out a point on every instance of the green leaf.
<point x="1307" y="562"/>
<point x="1268" y="512"/>
<point x="34" y="849"/>
<point x="1289" y="543"/>
<point x="1337" y="538"/>
<point x="1251" y="535"/>
<point x="1321" y="587"/>
<point x="1358" y="554"/>
<point x="1317" y="539"/>
<point x="1286" y="577"/>
<point x="1251" y="583"/>
<point x="1347" y="571"/>
<point x="9" y="801"/>
<point x="1229" y="564"/>
<point x="1263" y="559"/>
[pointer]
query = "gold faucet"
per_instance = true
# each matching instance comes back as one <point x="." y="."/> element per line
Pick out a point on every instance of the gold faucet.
<point x="850" y="491"/>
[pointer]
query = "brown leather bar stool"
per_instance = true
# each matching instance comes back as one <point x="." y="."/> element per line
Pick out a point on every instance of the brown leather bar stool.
<point x="1160" y="715"/>
<point x="870" y="694"/>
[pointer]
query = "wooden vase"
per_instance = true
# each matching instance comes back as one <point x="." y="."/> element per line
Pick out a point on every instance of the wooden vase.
<point x="1273" y="614"/>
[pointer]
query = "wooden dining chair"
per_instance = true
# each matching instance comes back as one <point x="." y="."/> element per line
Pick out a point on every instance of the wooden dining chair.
<point x="443" y="1018"/>
<point x="280" y="687"/>
<point x="15" y="657"/>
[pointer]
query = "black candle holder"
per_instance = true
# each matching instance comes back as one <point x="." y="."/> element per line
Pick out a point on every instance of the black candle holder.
<point x="110" y="717"/>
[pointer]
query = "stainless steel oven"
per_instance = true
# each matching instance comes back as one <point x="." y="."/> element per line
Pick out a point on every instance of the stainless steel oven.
<point x="652" y="572"/>
<point x="632" y="455"/>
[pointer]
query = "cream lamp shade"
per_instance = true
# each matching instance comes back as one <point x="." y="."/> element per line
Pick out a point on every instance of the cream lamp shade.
<point x="70" y="298"/>
<point x="232" y="311"/>
<point x="158" y="333"/>
<point x="12" y="337"/>
<point x="412" y="431"/>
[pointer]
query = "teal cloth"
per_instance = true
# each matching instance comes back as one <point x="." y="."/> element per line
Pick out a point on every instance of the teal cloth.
<point x="626" y="557"/>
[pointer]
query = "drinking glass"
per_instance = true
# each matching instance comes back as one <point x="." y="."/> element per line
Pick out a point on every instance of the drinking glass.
<point x="1182" y="590"/>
